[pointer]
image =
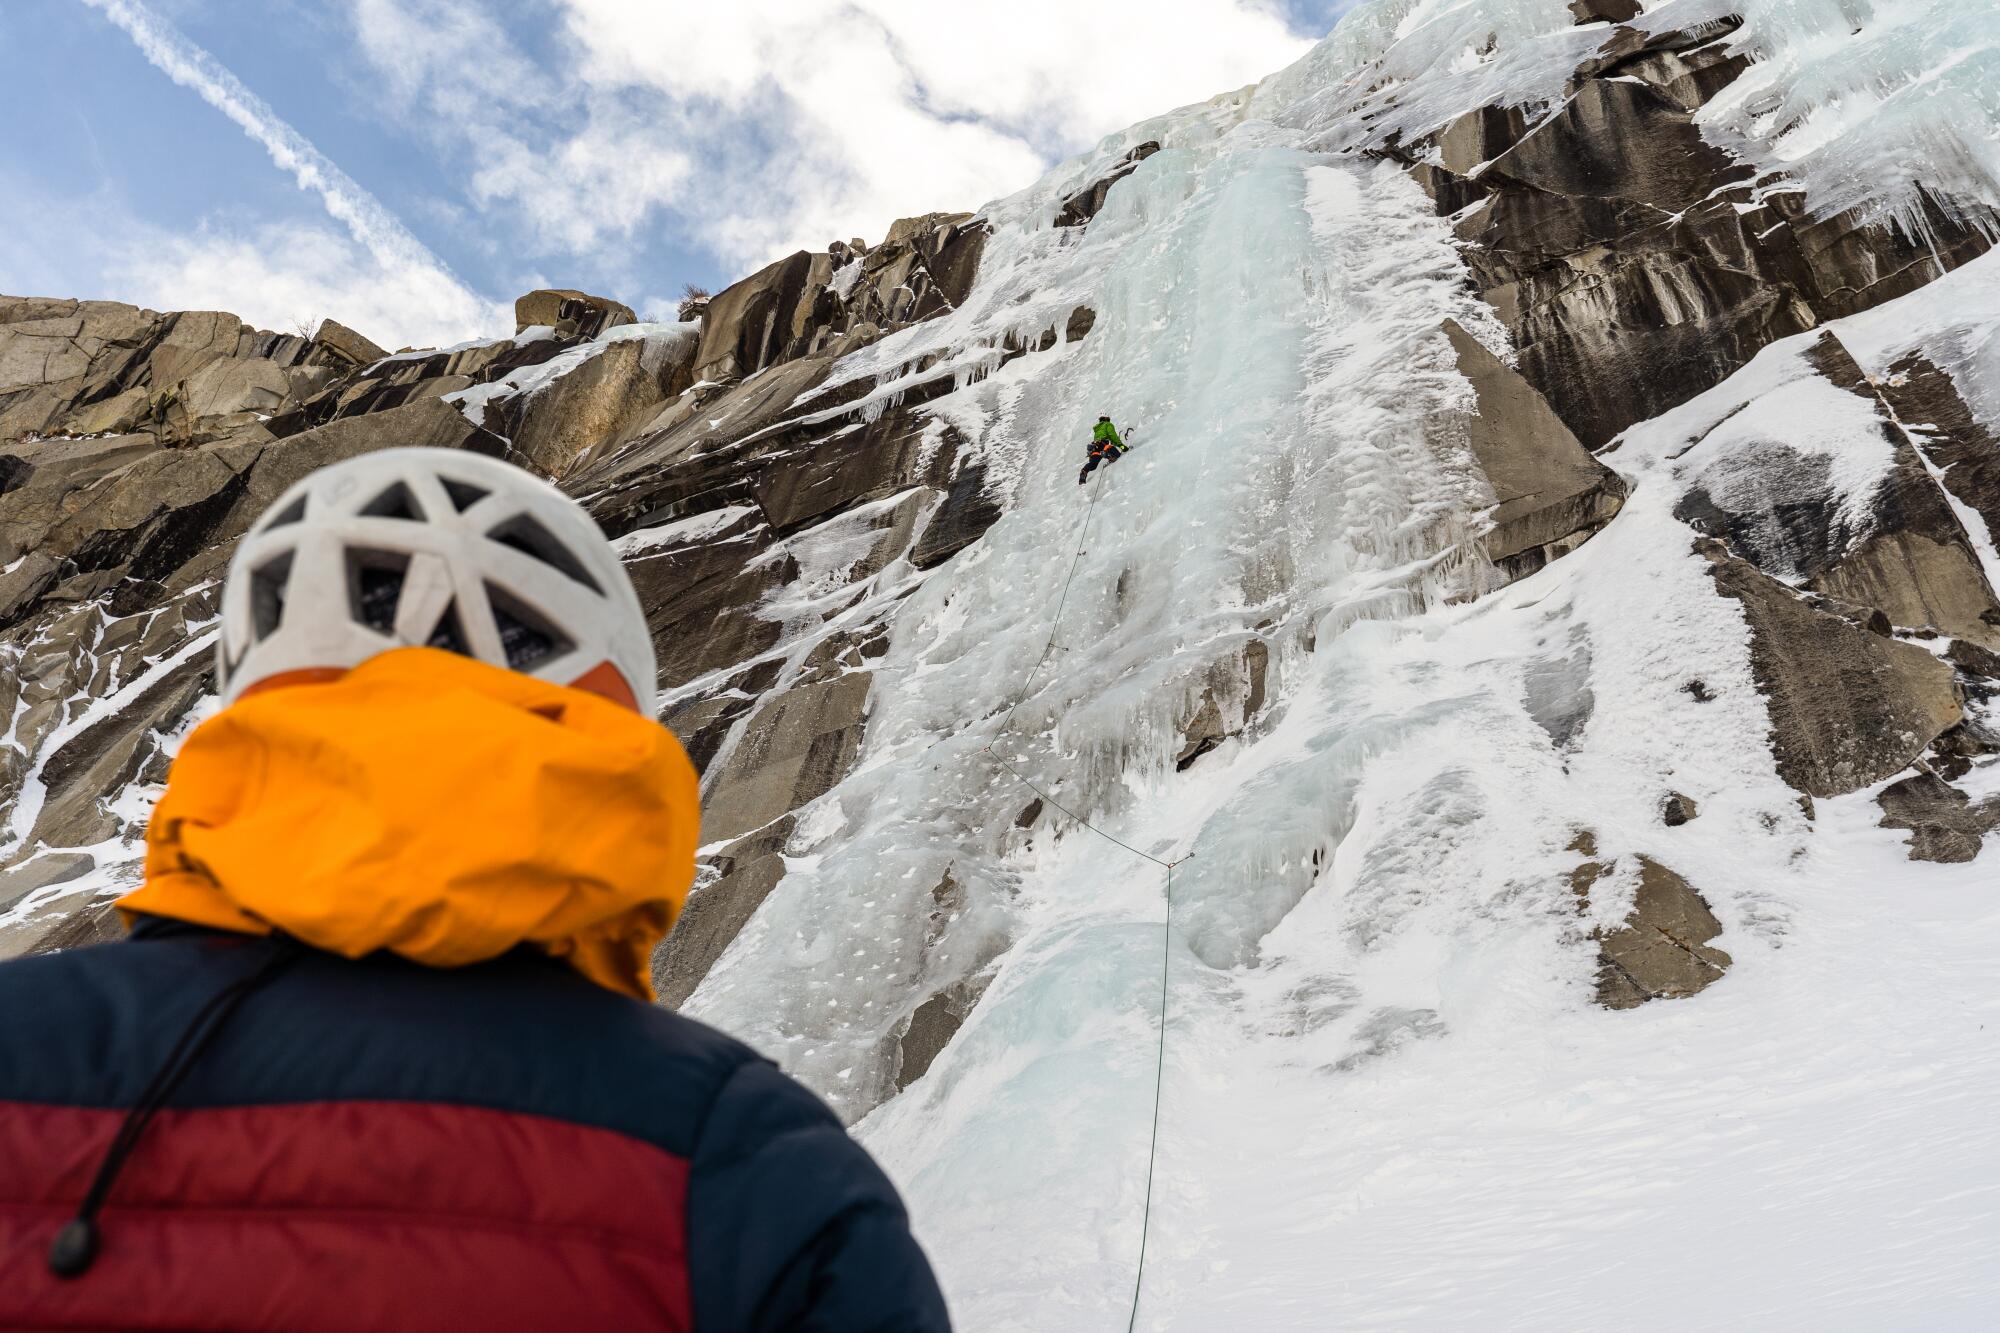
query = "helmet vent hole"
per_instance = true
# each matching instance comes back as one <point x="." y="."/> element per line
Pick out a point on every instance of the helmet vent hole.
<point x="449" y="634"/>
<point x="526" y="638"/>
<point x="463" y="494"/>
<point x="522" y="533"/>
<point x="267" y="596"/>
<point x="291" y="513"/>
<point x="375" y="587"/>
<point x="396" y="502"/>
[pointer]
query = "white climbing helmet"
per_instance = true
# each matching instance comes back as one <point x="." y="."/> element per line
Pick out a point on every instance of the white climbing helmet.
<point x="438" y="547"/>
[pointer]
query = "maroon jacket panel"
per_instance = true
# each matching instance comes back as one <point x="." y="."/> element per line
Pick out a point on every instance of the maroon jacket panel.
<point x="244" y="1218"/>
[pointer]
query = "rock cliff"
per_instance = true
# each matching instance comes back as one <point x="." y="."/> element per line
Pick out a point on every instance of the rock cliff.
<point x="787" y="474"/>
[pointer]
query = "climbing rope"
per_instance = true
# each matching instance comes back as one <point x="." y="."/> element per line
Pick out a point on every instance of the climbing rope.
<point x="1166" y="922"/>
<point x="1159" y="1078"/>
<point x="1055" y="621"/>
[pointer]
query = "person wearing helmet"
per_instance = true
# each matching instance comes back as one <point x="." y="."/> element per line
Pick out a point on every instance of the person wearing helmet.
<point x="378" y="1052"/>
<point x="1105" y="447"/>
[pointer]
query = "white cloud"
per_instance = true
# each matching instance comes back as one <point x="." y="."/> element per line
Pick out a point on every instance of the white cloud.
<point x="751" y="128"/>
<point x="762" y="126"/>
<point x="391" y="258"/>
<point x="414" y="42"/>
<point x="451" y="70"/>
<point x="1036" y="67"/>
<point x="275" y="275"/>
<point x="584" y="189"/>
<point x="284" y="276"/>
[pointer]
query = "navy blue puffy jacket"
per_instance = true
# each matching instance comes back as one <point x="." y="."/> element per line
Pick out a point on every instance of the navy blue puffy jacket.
<point x="377" y="1144"/>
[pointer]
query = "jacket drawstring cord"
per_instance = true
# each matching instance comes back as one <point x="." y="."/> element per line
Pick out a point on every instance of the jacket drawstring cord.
<point x="76" y="1245"/>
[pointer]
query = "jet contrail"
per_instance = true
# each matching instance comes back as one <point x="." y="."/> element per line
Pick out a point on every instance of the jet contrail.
<point x="372" y="226"/>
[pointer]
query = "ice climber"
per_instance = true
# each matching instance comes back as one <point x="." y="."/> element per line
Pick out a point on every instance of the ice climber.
<point x="1105" y="447"/>
<point x="378" y="1053"/>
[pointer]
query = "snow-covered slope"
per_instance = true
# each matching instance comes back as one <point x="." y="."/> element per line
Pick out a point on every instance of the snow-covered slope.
<point x="1388" y="1100"/>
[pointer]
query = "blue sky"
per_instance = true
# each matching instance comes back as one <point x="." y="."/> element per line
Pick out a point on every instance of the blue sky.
<point x="409" y="166"/>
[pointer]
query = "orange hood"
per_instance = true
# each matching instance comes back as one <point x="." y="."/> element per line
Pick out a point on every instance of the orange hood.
<point x="436" y="807"/>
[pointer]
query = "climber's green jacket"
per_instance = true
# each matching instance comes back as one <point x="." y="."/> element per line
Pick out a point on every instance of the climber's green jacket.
<point x="1105" y="433"/>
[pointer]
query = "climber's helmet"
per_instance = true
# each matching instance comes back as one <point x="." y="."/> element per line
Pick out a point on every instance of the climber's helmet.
<point x="434" y="547"/>
<point x="1104" y="418"/>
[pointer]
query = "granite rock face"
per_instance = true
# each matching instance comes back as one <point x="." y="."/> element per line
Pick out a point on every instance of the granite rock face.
<point x="801" y="305"/>
<point x="1907" y="555"/>
<point x="734" y="885"/>
<point x="1232" y="694"/>
<point x="341" y="345"/>
<point x="1662" y="950"/>
<point x="1848" y="708"/>
<point x="98" y="367"/>
<point x="1604" y="11"/>
<point x="1944" y="823"/>
<point x="1637" y="264"/>
<point x="1081" y="207"/>
<point x="572" y="314"/>
<point x="1550" y="494"/>
<point x="1961" y="451"/>
<point x="135" y="448"/>
<point x="599" y="404"/>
